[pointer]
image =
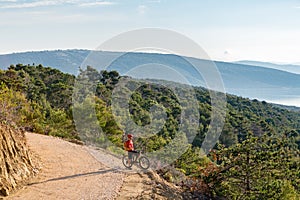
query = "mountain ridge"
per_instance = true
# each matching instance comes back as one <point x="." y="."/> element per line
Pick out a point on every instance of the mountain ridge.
<point x="292" y="68"/>
<point x="250" y="81"/>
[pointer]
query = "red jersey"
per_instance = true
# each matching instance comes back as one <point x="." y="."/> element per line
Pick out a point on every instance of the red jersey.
<point x="129" y="145"/>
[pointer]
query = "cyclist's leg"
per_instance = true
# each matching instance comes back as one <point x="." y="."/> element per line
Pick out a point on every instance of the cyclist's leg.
<point x="130" y="154"/>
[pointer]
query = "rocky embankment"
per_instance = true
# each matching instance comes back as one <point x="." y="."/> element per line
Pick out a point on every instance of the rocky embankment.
<point x="16" y="164"/>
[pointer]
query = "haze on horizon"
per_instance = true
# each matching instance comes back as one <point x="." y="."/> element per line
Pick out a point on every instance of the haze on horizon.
<point x="227" y="30"/>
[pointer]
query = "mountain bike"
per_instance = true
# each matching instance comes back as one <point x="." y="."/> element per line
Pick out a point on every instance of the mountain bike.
<point x="137" y="158"/>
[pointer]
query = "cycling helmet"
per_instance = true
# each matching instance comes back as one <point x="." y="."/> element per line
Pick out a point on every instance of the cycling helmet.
<point x="129" y="135"/>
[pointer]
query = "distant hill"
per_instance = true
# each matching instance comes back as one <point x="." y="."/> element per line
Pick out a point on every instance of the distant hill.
<point x="250" y="81"/>
<point x="67" y="61"/>
<point x="286" y="67"/>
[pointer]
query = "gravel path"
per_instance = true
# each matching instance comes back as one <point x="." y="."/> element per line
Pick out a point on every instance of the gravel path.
<point x="70" y="171"/>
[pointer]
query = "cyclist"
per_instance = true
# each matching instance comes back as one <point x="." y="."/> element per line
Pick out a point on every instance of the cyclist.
<point x="129" y="147"/>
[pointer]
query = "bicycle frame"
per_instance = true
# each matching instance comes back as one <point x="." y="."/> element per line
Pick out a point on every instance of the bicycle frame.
<point x="135" y="156"/>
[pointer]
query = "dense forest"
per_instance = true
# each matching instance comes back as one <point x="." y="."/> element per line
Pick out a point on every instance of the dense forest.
<point x="256" y="156"/>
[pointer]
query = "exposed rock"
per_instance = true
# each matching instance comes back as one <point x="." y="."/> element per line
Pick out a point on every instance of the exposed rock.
<point x="148" y="186"/>
<point x="16" y="165"/>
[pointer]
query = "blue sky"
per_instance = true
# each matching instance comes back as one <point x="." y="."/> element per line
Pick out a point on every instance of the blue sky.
<point x="228" y="30"/>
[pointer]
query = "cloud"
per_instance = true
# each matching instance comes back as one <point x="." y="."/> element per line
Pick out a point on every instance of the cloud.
<point x="228" y="55"/>
<point x="7" y="1"/>
<point x="30" y="4"/>
<point x="97" y="3"/>
<point x="227" y="52"/>
<point x="142" y="9"/>
<point x="154" y="1"/>
<point x="13" y="4"/>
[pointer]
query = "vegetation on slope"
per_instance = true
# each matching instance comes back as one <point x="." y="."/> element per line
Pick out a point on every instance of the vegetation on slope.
<point x="257" y="154"/>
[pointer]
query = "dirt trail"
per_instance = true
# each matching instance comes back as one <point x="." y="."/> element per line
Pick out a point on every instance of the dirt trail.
<point x="71" y="171"/>
<point x="68" y="171"/>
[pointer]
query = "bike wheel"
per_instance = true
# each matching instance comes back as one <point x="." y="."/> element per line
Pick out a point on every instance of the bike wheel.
<point x="126" y="163"/>
<point x="144" y="162"/>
